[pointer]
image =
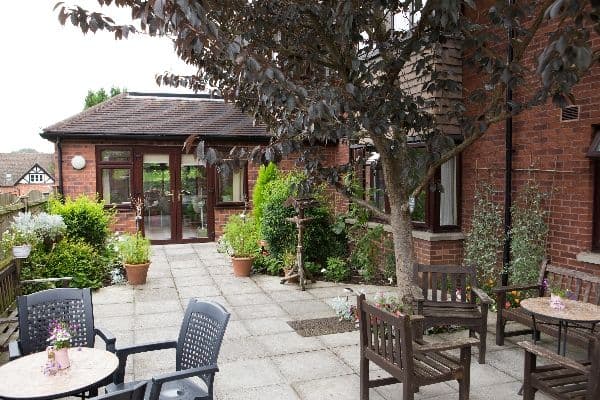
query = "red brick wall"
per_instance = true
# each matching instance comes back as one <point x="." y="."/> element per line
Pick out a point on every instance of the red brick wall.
<point x="549" y="153"/>
<point x="441" y="252"/>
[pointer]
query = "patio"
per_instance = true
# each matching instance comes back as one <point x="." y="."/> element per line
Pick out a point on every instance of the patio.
<point x="261" y="356"/>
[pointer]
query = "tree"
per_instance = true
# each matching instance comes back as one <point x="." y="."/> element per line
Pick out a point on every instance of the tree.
<point x="320" y="71"/>
<point x="99" y="96"/>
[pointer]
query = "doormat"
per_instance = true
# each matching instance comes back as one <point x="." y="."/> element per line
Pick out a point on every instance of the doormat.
<point x="321" y="326"/>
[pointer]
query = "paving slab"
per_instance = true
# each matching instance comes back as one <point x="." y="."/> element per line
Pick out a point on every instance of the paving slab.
<point x="345" y="387"/>
<point x="141" y="294"/>
<point x="266" y="326"/>
<point x="198" y="291"/>
<point x="247" y="374"/>
<point x="307" y="309"/>
<point x="244" y="299"/>
<point x="306" y="366"/>
<point x="242" y="349"/>
<point x="259" y="311"/>
<point x="289" y="342"/>
<point x="272" y="392"/>
<point x="157" y="307"/>
<point x="146" y="321"/>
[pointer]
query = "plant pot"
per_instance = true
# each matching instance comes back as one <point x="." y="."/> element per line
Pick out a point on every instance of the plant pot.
<point x="21" y="251"/>
<point x="242" y="265"/>
<point x="61" y="358"/>
<point x="136" y="273"/>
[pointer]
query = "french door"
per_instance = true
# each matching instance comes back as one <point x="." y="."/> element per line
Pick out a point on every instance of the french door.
<point x="178" y="196"/>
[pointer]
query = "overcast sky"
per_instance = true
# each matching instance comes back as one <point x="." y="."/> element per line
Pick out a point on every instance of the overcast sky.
<point x="47" y="69"/>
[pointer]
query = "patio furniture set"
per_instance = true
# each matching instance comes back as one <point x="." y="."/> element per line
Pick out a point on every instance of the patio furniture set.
<point x="394" y="342"/>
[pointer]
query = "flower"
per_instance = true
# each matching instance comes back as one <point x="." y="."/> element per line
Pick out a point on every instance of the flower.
<point x="60" y="334"/>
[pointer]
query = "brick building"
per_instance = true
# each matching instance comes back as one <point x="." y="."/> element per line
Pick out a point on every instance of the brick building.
<point x="132" y="146"/>
<point x="23" y="172"/>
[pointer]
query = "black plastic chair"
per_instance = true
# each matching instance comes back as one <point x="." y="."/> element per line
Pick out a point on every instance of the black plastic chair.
<point x="38" y="310"/>
<point x="136" y="392"/>
<point x="198" y="346"/>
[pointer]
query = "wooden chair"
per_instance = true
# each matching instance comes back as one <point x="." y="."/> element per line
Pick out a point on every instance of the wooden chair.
<point x="450" y="296"/>
<point x="198" y="346"/>
<point x="565" y="379"/>
<point x="386" y="339"/>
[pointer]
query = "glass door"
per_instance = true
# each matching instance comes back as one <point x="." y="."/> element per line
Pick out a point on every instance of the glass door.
<point x="158" y="197"/>
<point x="194" y="199"/>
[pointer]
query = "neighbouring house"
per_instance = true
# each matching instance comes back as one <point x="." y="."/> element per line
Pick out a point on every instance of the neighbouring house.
<point x="132" y="146"/>
<point x="21" y="173"/>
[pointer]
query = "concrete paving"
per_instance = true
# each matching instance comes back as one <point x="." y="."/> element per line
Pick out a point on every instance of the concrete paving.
<point x="262" y="357"/>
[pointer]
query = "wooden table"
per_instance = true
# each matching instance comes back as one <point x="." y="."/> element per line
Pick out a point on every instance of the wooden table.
<point x="575" y="312"/>
<point x="23" y="378"/>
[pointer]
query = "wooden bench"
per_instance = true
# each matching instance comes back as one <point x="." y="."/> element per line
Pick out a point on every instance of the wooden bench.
<point x="585" y="287"/>
<point x="564" y="379"/>
<point x="387" y="340"/>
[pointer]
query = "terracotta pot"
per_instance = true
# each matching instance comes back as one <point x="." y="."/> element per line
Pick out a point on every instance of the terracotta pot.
<point x="61" y="357"/>
<point x="242" y="265"/>
<point x="136" y="273"/>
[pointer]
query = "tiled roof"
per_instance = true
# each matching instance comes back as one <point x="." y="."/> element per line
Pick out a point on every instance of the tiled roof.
<point x="133" y="114"/>
<point x="18" y="164"/>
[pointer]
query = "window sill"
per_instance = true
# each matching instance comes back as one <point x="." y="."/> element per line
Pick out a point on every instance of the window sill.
<point x="421" y="235"/>
<point x="588" y="257"/>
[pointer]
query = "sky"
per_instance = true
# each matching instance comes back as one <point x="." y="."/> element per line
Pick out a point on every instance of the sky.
<point x="47" y="68"/>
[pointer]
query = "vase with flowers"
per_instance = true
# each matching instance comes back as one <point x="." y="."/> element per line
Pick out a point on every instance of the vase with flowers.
<point x="60" y="341"/>
<point x="557" y="295"/>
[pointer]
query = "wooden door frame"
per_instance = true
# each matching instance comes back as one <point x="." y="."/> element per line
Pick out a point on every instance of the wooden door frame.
<point x="176" y="223"/>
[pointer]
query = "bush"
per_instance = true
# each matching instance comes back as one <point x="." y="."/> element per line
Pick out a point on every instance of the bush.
<point x="70" y="257"/>
<point x="85" y="218"/>
<point x="366" y="253"/>
<point x="320" y="241"/>
<point x="266" y="174"/>
<point x="336" y="270"/>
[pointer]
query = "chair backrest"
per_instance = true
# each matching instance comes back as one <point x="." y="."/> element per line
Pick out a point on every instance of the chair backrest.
<point x="445" y="282"/>
<point x="386" y="339"/>
<point x="201" y="334"/>
<point x="135" y="393"/>
<point x="38" y="310"/>
<point x="585" y="287"/>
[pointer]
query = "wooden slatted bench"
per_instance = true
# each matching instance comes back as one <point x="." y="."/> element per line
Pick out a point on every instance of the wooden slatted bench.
<point x="585" y="287"/>
<point x="387" y="340"/>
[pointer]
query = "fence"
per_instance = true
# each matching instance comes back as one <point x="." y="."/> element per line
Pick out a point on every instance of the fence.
<point x="8" y="285"/>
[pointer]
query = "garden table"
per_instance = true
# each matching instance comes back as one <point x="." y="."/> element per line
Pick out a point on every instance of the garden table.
<point x="575" y="313"/>
<point x="24" y="378"/>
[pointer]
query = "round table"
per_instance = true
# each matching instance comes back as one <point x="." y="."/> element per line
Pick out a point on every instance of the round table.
<point x="23" y="378"/>
<point x="574" y="312"/>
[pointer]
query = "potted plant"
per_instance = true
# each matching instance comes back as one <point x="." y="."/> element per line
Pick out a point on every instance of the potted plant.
<point x="20" y="236"/>
<point x="241" y="238"/>
<point x="60" y="340"/>
<point x="135" y="253"/>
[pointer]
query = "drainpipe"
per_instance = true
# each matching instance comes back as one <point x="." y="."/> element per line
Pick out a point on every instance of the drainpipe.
<point x="508" y="131"/>
<point x="60" y="166"/>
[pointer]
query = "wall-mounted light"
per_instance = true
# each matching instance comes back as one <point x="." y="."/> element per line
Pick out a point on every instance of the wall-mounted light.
<point x="78" y="162"/>
<point x="411" y="204"/>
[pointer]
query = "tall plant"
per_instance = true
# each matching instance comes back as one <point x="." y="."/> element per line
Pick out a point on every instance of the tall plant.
<point x="529" y="234"/>
<point x="484" y="240"/>
<point x="266" y="174"/>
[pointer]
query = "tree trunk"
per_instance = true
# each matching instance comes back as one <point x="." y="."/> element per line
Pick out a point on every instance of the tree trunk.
<point x="401" y="224"/>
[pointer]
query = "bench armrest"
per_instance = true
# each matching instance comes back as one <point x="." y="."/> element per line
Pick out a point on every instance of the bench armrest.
<point x="483" y="296"/>
<point x="545" y="353"/>
<point x="446" y="345"/>
<point x="504" y="289"/>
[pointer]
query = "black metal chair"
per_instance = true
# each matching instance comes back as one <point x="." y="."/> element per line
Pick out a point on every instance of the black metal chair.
<point x="38" y="310"/>
<point x="198" y="346"/>
<point x="136" y="392"/>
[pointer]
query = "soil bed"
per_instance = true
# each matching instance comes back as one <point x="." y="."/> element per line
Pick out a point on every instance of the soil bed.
<point x="321" y="326"/>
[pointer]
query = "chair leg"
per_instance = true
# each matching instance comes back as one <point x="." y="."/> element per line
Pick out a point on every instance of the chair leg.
<point x="482" y="344"/>
<point x="364" y="378"/>
<point x="465" y="382"/>
<point x="408" y="392"/>
<point x="528" y="391"/>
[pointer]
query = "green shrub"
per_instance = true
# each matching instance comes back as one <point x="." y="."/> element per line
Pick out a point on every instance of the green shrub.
<point x="313" y="268"/>
<point x="319" y="241"/>
<point x="337" y="269"/>
<point x="266" y="174"/>
<point x="85" y="218"/>
<point x="529" y="233"/>
<point x="366" y="253"/>
<point x="69" y="257"/>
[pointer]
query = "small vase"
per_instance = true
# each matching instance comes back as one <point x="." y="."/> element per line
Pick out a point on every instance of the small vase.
<point x="556" y="302"/>
<point x="61" y="357"/>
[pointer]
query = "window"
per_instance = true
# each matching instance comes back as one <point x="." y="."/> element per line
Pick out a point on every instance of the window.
<point x="36" y="178"/>
<point x="594" y="154"/>
<point x="114" y="175"/>
<point x="436" y="208"/>
<point x="232" y="187"/>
